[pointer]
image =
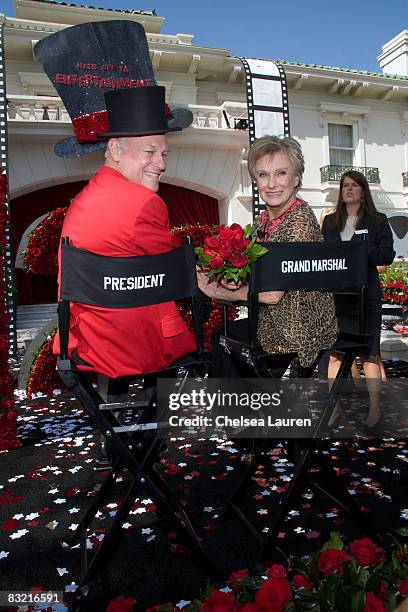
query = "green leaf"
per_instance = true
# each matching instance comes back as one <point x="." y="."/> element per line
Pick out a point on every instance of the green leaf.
<point x="258" y="250"/>
<point x="392" y="602"/>
<point x="249" y="246"/>
<point x="248" y="230"/>
<point x="395" y="562"/>
<point x="373" y="583"/>
<point x="358" y="601"/>
<point x="403" y="531"/>
<point x="335" y="542"/>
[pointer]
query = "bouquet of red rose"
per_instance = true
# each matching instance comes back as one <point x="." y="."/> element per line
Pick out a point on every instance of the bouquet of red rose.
<point x="228" y="252"/>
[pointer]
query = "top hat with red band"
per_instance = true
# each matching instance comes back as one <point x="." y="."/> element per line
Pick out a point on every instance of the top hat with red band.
<point x="86" y="61"/>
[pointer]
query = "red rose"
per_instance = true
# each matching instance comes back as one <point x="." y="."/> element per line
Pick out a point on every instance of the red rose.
<point x="276" y="571"/>
<point x="216" y="262"/>
<point x="239" y="243"/>
<point x="207" y="251"/>
<point x="236" y="227"/>
<point x="365" y="552"/>
<point x="300" y="581"/>
<point x="274" y="595"/>
<point x="248" y="607"/>
<point x="331" y="561"/>
<point x="403" y="587"/>
<point x="236" y="578"/>
<point x="373" y="604"/>
<point x="226" y="234"/>
<point x="218" y="602"/>
<point x="121" y="604"/>
<point x="35" y="252"/>
<point x="212" y="242"/>
<point x="382" y="593"/>
<point x="239" y="261"/>
<point x="225" y="251"/>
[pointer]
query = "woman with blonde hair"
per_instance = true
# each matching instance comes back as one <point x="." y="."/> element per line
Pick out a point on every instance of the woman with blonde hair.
<point x="301" y="322"/>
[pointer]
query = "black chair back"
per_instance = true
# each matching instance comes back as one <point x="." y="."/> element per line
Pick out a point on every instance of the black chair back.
<point x="309" y="266"/>
<point x="126" y="282"/>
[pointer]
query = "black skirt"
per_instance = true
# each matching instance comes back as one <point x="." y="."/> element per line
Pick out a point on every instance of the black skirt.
<point x="347" y="316"/>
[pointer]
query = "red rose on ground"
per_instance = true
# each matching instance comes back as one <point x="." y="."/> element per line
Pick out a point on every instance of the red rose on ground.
<point x="382" y="593"/>
<point x="276" y="571"/>
<point x="236" y="578"/>
<point x="403" y="587"/>
<point x="331" y="561"/>
<point x="274" y="595"/>
<point x="121" y="604"/>
<point x="218" y="602"/>
<point x="373" y="604"/>
<point x="365" y="552"/>
<point x="300" y="581"/>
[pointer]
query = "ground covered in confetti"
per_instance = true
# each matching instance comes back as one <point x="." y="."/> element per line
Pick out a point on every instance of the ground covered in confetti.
<point x="47" y="484"/>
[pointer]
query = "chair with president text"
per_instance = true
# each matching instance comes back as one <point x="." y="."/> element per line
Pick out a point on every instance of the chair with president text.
<point x="135" y="442"/>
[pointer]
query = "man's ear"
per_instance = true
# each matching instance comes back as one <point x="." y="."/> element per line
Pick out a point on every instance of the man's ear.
<point x="114" y="149"/>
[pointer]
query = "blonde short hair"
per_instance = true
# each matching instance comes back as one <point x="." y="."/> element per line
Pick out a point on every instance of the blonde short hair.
<point x="269" y="145"/>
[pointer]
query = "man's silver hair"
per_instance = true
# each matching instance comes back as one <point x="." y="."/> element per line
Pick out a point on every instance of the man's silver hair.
<point x="123" y="143"/>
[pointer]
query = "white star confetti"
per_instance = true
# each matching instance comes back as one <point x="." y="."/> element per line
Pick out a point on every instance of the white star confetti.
<point x="18" y="534"/>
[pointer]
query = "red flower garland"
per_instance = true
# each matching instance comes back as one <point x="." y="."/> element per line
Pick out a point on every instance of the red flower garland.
<point x="43" y="376"/>
<point x="8" y="416"/>
<point x="41" y="254"/>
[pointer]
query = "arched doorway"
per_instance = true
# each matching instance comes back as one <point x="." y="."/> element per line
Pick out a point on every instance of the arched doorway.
<point x="185" y="207"/>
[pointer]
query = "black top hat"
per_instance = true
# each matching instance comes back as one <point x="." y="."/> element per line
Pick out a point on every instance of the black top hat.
<point x="86" y="61"/>
<point x="136" y="112"/>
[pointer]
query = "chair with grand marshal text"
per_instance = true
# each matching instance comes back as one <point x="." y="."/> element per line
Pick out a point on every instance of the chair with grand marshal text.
<point x="303" y="267"/>
<point x="122" y="282"/>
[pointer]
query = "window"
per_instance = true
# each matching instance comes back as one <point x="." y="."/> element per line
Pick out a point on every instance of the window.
<point x="341" y="147"/>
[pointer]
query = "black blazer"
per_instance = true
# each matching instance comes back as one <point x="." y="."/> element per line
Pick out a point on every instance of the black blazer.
<point x="380" y="246"/>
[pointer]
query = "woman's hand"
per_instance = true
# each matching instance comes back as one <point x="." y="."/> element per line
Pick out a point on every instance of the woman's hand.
<point x="271" y="297"/>
<point x="231" y="286"/>
<point x="217" y="292"/>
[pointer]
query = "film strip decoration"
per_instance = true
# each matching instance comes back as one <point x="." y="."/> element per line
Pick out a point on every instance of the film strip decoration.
<point x="9" y="268"/>
<point x="268" y="106"/>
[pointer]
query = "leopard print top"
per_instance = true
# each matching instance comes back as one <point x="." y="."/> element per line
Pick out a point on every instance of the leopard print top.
<point x="302" y="321"/>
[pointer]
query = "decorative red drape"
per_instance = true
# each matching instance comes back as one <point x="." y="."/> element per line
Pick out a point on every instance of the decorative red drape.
<point x="185" y="207"/>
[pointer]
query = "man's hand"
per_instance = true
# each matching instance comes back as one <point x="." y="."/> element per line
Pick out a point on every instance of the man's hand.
<point x="271" y="297"/>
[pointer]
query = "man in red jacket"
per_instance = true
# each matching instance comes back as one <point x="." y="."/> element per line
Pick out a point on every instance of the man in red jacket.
<point x="119" y="214"/>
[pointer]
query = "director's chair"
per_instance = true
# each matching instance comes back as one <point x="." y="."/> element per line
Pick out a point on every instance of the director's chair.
<point x="135" y="446"/>
<point x="272" y="272"/>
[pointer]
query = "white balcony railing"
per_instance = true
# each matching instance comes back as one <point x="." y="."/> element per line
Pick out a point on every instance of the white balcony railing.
<point x="44" y="109"/>
<point x="36" y="108"/>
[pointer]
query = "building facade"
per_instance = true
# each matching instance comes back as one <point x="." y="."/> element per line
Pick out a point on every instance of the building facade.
<point x="342" y="117"/>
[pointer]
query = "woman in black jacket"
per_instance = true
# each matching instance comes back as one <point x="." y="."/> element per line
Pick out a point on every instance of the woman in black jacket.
<point x="355" y="210"/>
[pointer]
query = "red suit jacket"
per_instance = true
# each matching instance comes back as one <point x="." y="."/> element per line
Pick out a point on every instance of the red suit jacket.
<point x="112" y="216"/>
